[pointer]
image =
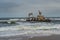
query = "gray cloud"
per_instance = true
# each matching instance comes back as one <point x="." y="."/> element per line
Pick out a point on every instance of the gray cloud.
<point x="7" y="7"/>
<point x="23" y="7"/>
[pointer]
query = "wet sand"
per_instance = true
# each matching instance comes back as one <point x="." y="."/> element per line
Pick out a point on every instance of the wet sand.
<point x="53" y="37"/>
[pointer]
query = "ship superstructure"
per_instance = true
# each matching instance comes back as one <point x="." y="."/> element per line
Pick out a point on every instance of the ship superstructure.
<point x="39" y="17"/>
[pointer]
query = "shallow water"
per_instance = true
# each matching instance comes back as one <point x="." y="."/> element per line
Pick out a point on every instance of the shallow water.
<point x="30" y="29"/>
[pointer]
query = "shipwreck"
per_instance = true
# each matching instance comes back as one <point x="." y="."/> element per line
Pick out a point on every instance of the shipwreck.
<point x="39" y="18"/>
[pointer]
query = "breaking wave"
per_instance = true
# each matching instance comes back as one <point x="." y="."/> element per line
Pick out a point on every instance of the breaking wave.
<point x="30" y="29"/>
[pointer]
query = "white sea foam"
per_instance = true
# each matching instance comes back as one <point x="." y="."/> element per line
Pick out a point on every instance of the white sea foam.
<point x="31" y="29"/>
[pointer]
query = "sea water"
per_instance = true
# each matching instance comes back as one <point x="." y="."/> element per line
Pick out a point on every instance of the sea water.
<point x="30" y="29"/>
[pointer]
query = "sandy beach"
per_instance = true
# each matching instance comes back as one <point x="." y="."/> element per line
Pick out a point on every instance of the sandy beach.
<point x="53" y="37"/>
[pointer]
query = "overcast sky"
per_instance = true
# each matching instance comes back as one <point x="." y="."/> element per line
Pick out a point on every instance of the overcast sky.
<point x="21" y="8"/>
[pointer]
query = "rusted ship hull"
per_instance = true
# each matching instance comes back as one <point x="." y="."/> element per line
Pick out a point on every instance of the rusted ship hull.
<point x="47" y="20"/>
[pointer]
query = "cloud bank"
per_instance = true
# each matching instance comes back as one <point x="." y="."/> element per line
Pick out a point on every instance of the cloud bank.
<point x="20" y="8"/>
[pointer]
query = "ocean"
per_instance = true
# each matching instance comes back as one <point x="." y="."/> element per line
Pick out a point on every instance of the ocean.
<point x="30" y="29"/>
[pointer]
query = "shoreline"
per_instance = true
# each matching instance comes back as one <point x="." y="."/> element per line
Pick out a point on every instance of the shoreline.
<point x="51" y="37"/>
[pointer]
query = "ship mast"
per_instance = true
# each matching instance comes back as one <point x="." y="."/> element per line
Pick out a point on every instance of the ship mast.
<point x="39" y="12"/>
<point x="30" y="15"/>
